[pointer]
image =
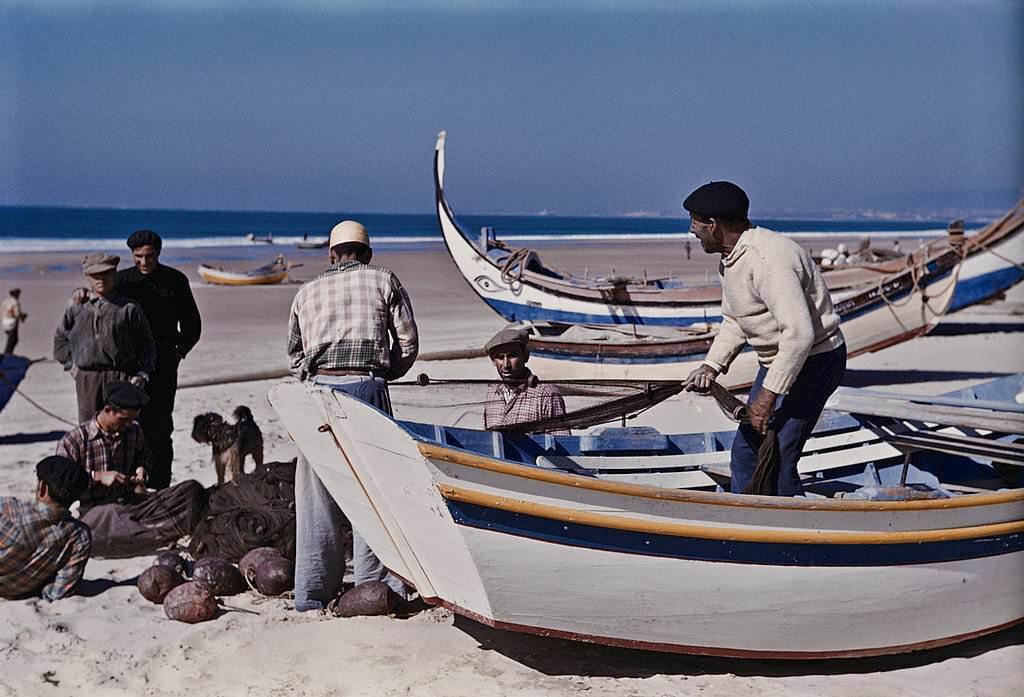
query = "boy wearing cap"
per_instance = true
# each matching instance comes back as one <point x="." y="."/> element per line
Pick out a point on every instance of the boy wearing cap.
<point x="352" y="329"/>
<point x="166" y="300"/>
<point x="775" y="299"/>
<point x="518" y="398"/>
<point x="43" y="550"/>
<point x="103" y="339"/>
<point x="125" y="519"/>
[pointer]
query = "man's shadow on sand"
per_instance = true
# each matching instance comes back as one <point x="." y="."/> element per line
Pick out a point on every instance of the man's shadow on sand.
<point x="567" y="658"/>
<point x="29" y="438"/>
<point x="91" y="587"/>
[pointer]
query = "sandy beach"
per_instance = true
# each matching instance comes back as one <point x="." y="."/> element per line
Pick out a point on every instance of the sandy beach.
<point x="108" y="640"/>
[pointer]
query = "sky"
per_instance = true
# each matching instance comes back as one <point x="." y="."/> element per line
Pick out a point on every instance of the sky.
<point x="572" y="107"/>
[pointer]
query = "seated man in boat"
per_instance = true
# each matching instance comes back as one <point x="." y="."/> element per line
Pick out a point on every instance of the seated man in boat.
<point x="125" y="519"/>
<point x="43" y="550"/>
<point x="351" y="329"/>
<point x="519" y="397"/>
<point x="775" y="299"/>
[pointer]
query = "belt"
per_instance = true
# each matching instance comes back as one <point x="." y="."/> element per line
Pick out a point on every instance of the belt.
<point x="341" y="372"/>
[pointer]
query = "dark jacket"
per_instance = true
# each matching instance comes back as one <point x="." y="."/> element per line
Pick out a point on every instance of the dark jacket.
<point x="105" y="334"/>
<point x="167" y="301"/>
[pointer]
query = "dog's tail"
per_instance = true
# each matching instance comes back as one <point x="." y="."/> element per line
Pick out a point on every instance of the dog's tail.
<point x="242" y="413"/>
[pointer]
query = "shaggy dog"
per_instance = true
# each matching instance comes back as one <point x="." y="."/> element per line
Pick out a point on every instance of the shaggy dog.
<point x="230" y="442"/>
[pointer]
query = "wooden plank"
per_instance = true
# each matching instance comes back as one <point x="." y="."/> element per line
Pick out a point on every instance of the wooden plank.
<point x="1001" y="422"/>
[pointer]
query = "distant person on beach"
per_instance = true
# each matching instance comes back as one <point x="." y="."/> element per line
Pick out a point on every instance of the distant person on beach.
<point x="11" y="317"/>
<point x="166" y="299"/>
<point x="103" y="339"/>
<point x="351" y="329"/>
<point x="775" y="299"/>
<point x="518" y="398"/>
<point x="43" y="550"/>
<point x="688" y="249"/>
<point x="125" y="519"/>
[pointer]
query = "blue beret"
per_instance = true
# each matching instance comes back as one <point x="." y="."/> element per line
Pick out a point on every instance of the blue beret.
<point x="66" y="479"/>
<point x="124" y="395"/>
<point x="722" y="200"/>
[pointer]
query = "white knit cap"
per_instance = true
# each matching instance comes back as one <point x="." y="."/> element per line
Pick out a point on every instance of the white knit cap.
<point x="349" y="231"/>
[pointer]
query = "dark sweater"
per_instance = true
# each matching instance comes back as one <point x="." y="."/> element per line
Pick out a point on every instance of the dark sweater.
<point x="166" y="300"/>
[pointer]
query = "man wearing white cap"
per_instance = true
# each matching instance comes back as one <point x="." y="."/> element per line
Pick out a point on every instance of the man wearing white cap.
<point x="351" y="328"/>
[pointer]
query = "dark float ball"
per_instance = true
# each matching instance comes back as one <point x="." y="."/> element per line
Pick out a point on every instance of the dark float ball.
<point x="247" y="565"/>
<point x="218" y="576"/>
<point x="190" y="603"/>
<point x="173" y="560"/>
<point x="370" y="598"/>
<point x="275" y="575"/>
<point x="157" y="581"/>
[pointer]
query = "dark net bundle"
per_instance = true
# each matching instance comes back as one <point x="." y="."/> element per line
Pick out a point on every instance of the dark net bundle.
<point x="254" y="510"/>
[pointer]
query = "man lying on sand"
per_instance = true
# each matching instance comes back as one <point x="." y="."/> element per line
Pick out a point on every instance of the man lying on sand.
<point x="43" y="550"/>
<point x="125" y="519"/>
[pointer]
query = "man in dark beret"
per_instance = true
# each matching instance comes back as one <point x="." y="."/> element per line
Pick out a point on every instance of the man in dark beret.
<point x="519" y="397"/>
<point x="104" y="338"/>
<point x="166" y="299"/>
<point x="43" y="550"/>
<point x="125" y="518"/>
<point x="774" y="299"/>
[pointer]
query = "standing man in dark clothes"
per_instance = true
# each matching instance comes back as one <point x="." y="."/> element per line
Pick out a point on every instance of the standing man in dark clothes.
<point x="103" y="339"/>
<point x="166" y="300"/>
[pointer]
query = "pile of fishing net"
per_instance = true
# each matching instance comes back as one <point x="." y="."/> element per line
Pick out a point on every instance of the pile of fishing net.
<point x="254" y="510"/>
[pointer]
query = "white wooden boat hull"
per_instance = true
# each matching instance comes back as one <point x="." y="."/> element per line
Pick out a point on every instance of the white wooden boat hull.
<point x="558" y="554"/>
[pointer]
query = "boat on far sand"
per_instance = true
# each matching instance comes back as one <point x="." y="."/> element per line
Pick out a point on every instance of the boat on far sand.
<point x="274" y="272"/>
<point x="312" y="244"/>
<point x="910" y="536"/>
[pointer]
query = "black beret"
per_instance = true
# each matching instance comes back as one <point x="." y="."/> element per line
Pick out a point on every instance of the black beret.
<point x="722" y="200"/>
<point x="124" y="395"/>
<point x="143" y="238"/>
<point x="508" y="335"/>
<point x="66" y="479"/>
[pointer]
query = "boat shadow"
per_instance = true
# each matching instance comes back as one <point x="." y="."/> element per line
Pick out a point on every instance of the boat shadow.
<point x="561" y="657"/>
<point x="28" y="438"/>
<point x="855" y="377"/>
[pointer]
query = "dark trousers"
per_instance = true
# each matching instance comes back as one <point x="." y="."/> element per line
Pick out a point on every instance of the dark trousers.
<point x="157" y="420"/>
<point x="144" y="523"/>
<point x="12" y="340"/>
<point x="796" y="414"/>
<point x="89" y="388"/>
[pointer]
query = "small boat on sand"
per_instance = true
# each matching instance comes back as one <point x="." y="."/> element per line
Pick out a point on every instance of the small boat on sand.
<point x="618" y="536"/>
<point x="274" y="272"/>
<point x="267" y="239"/>
<point x="312" y="244"/>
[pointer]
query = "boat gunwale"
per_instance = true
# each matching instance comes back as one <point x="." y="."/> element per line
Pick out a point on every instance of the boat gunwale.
<point x="466" y="458"/>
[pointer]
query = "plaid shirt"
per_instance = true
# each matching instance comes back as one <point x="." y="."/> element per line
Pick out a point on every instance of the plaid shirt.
<point x="525" y="404"/>
<point x="99" y="451"/>
<point x="42" y="549"/>
<point x="346" y="319"/>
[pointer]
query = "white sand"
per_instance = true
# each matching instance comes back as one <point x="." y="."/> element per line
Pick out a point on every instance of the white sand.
<point x="109" y="641"/>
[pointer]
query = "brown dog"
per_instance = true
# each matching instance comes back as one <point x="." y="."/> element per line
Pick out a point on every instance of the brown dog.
<point x="230" y="442"/>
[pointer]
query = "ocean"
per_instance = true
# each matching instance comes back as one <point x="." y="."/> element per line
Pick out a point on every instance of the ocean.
<point x="44" y="229"/>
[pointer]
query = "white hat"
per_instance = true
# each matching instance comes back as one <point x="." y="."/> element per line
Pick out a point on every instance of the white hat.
<point x="349" y="231"/>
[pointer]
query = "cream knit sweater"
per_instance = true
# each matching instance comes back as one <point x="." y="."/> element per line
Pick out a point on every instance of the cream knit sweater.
<point x="773" y="298"/>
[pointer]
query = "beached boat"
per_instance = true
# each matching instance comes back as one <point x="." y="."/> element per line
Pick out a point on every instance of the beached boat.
<point x="312" y="244"/>
<point x="617" y="536"/>
<point x="12" y="372"/>
<point x="519" y="286"/>
<point x="266" y="239"/>
<point x="901" y="307"/>
<point x="274" y="272"/>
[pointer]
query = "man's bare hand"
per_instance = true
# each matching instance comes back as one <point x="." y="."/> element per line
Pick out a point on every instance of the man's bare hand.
<point x="109" y="478"/>
<point x="760" y="409"/>
<point x="700" y="380"/>
<point x="138" y="381"/>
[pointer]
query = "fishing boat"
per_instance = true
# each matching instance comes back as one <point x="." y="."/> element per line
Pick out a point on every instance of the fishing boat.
<point x="12" y="372"/>
<point x="519" y="286"/>
<point x="312" y="244"/>
<point x="265" y="239"/>
<point x="274" y="272"/>
<point x="900" y="307"/>
<point x="619" y="536"/>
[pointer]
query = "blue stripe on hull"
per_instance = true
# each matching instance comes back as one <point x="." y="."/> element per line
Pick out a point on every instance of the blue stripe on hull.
<point x="514" y="312"/>
<point x="762" y="553"/>
<point x="974" y="290"/>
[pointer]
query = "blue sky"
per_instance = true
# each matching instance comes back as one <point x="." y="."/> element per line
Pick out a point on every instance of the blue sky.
<point x="575" y="107"/>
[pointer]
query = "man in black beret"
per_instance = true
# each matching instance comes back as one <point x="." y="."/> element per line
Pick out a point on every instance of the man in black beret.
<point x="774" y="299"/>
<point x="519" y="397"/>
<point x="43" y="550"/>
<point x="125" y="518"/>
<point x="166" y="299"/>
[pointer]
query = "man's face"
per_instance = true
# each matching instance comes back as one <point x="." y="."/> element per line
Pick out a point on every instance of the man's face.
<point x="114" y="420"/>
<point x="102" y="283"/>
<point x="510" y="361"/>
<point x="708" y="232"/>
<point x="145" y="258"/>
